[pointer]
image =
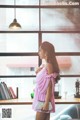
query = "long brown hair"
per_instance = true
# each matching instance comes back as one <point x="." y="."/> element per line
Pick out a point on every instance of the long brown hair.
<point x="51" y="58"/>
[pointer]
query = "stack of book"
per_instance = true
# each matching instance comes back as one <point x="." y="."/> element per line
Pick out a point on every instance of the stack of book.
<point x="6" y="92"/>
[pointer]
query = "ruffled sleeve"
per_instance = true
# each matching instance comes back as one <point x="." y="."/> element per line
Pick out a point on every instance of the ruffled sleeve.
<point x="43" y="84"/>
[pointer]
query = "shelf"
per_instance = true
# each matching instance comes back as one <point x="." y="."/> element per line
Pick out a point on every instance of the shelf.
<point x="16" y="101"/>
<point x="27" y="101"/>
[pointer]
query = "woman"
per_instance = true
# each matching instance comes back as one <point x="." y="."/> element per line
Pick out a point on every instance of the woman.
<point x="46" y="77"/>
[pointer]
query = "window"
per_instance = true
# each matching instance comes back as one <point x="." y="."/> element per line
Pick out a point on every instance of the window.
<point x="53" y="21"/>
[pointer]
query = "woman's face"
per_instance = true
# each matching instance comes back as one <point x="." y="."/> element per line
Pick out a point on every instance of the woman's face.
<point x="41" y="53"/>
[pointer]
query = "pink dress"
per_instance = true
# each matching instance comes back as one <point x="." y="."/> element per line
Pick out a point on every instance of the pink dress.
<point x="42" y="82"/>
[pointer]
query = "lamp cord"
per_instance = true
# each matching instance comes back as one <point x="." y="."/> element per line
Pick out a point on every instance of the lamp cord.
<point x="14" y="9"/>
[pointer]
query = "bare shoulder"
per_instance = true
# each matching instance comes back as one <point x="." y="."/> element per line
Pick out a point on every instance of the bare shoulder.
<point x="49" y="68"/>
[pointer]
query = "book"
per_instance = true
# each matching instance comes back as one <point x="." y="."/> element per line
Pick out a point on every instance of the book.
<point x="2" y="92"/>
<point x="12" y="92"/>
<point x="6" y="91"/>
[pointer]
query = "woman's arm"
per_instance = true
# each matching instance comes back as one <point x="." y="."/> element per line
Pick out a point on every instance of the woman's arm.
<point x="49" y="89"/>
<point x="49" y="93"/>
<point x="48" y="97"/>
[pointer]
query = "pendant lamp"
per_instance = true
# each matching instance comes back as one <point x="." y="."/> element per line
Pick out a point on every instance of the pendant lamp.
<point x="15" y="24"/>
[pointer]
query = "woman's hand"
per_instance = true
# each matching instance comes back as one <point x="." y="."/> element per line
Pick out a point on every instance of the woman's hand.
<point x="45" y="107"/>
<point x="38" y="69"/>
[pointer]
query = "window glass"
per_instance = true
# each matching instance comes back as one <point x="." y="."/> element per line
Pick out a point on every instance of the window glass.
<point x="67" y="87"/>
<point x="20" y="65"/>
<point x="27" y="18"/>
<point x="23" y="42"/>
<point x="52" y="19"/>
<point x="69" y="42"/>
<point x="69" y="65"/>
<point x="19" y="2"/>
<point x="25" y="86"/>
<point x="59" y="2"/>
<point x="60" y="19"/>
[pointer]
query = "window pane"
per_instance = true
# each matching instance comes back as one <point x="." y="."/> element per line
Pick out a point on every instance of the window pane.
<point x="19" y="42"/>
<point x="60" y="2"/>
<point x="25" y="86"/>
<point x="20" y="65"/>
<point x="62" y="19"/>
<point x="67" y="86"/>
<point x="27" y="18"/>
<point x="19" y="2"/>
<point x="69" y="64"/>
<point x="64" y="42"/>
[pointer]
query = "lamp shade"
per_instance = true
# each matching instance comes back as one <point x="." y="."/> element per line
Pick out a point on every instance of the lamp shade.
<point x="14" y="24"/>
